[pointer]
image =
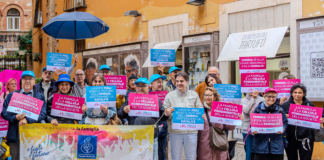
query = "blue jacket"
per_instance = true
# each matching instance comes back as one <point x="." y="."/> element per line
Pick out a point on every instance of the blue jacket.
<point x="261" y="142"/>
<point x="40" y="89"/>
<point x="13" y="132"/>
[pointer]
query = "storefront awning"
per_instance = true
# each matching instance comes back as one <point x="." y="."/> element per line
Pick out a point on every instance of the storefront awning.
<point x="255" y="43"/>
<point x="170" y="45"/>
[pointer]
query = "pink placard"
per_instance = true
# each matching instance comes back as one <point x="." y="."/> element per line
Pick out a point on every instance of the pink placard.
<point x="4" y="124"/>
<point x="67" y="106"/>
<point x="119" y="81"/>
<point x="226" y="113"/>
<point x="254" y="81"/>
<point x="266" y="123"/>
<point x="6" y="75"/>
<point x="305" y="116"/>
<point x="160" y="94"/>
<point x="253" y="64"/>
<point x="283" y="86"/>
<point x="143" y="105"/>
<point x="21" y="103"/>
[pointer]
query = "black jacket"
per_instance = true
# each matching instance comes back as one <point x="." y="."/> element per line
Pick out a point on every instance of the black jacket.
<point x="297" y="132"/>
<point x="40" y="89"/>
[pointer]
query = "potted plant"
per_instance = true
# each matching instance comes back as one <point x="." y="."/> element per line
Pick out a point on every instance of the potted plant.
<point x="37" y="57"/>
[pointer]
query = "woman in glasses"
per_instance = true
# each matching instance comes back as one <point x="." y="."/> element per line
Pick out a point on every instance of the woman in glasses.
<point x="11" y="86"/>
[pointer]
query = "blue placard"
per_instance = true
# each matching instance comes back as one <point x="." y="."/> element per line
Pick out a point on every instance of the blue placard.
<point x="60" y="61"/>
<point x="164" y="57"/>
<point x="101" y="95"/>
<point x="188" y="118"/>
<point x="229" y="92"/>
<point x="87" y="147"/>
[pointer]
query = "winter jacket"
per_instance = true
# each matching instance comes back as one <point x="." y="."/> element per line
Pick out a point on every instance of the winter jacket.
<point x="297" y="131"/>
<point x="133" y="120"/>
<point x="262" y="142"/>
<point x="249" y="104"/>
<point x="201" y="90"/>
<point x="40" y="89"/>
<point x="169" y="86"/>
<point x="13" y="132"/>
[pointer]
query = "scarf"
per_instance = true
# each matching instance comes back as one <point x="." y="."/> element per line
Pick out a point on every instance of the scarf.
<point x="271" y="108"/>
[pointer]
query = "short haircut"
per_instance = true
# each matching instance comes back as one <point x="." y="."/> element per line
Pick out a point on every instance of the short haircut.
<point x="213" y="76"/>
<point x="213" y="67"/>
<point x="289" y="76"/>
<point x="298" y="85"/>
<point x="215" y="93"/>
<point x="91" y="64"/>
<point x="132" y="61"/>
<point x="182" y="74"/>
<point x="101" y="77"/>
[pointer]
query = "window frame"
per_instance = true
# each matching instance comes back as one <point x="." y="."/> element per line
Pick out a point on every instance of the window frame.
<point x="13" y="23"/>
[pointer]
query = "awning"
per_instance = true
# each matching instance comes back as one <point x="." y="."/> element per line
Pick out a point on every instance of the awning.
<point x="170" y="45"/>
<point x="255" y="43"/>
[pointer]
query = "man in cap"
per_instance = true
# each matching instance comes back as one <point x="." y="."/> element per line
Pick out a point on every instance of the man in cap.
<point x="171" y="84"/>
<point x="104" y="70"/>
<point x="46" y="85"/>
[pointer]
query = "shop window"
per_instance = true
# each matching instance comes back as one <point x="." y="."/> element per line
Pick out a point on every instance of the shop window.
<point x="13" y="19"/>
<point x="130" y="64"/>
<point x="112" y="62"/>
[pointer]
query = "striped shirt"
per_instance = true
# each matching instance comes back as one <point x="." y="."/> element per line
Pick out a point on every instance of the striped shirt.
<point x="78" y="91"/>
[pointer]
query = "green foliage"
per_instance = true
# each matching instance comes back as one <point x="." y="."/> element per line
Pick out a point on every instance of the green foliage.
<point x="38" y="79"/>
<point x="24" y="39"/>
<point x="23" y="68"/>
<point x="37" y="57"/>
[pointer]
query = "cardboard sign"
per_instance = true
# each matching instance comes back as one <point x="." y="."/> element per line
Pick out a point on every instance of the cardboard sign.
<point x="188" y="118"/>
<point x="229" y="92"/>
<point x="119" y="81"/>
<point x="253" y="64"/>
<point x="21" y="103"/>
<point x="160" y="94"/>
<point x="254" y="81"/>
<point x="226" y="113"/>
<point x="266" y="123"/>
<point x="101" y="95"/>
<point x="60" y="61"/>
<point x="143" y="105"/>
<point x="67" y="106"/>
<point x="305" y="116"/>
<point x="164" y="57"/>
<point x="283" y="86"/>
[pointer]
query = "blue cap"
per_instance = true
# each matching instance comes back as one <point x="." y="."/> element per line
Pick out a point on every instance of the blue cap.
<point x="64" y="78"/>
<point x="174" y="68"/>
<point x="104" y="67"/>
<point x="156" y="76"/>
<point x="44" y="69"/>
<point x="28" y="73"/>
<point x="142" y="80"/>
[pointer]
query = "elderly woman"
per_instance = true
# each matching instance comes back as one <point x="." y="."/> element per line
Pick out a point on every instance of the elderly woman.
<point x="211" y="79"/>
<point x="98" y="116"/>
<point x="300" y="139"/>
<point x="11" y="86"/>
<point x="269" y="146"/>
<point x="204" y="151"/>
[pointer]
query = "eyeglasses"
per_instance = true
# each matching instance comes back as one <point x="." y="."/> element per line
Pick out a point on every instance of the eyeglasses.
<point x="13" y="84"/>
<point x="29" y="79"/>
<point x="208" y="95"/>
<point x="141" y="86"/>
<point x="212" y="74"/>
<point x="79" y="75"/>
<point x="49" y="73"/>
<point x="130" y="71"/>
<point x="271" y="97"/>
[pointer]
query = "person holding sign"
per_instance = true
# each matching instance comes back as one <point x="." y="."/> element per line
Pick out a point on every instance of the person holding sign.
<point x="212" y="71"/>
<point x="300" y="139"/>
<point x="204" y="151"/>
<point x="269" y="146"/>
<point x="27" y="88"/>
<point x="64" y="86"/>
<point x="46" y="85"/>
<point x="171" y="84"/>
<point x="102" y="115"/>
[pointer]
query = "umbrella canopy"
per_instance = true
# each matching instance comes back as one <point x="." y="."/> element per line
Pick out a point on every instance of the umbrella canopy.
<point x="75" y="25"/>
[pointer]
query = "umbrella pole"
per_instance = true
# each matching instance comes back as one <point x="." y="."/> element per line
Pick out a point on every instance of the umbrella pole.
<point x="76" y="41"/>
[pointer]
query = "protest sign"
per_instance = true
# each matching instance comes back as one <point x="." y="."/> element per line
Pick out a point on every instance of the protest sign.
<point x="6" y="75"/>
<point x="160" y="94"/>
<point x="101" y="95"/>
<point x="75" y="141"/>
<point x="226" y="113"/>
<point x="266" y="123"/>
<point x="119" y="81"/>
<point x="253" y="64"/>
<point x="251" y="82"/>
<point x="283" y="86"/>
<point x="4" y="124"/>
<point x="67" y="106"/>
<point x="164" y="57"/>
<point x="188" y="118"/>
<point x="229" y="92"/>
<point x="21" y="103"/>
<point x="305" y="116"/>
<point x="143" y="105"/>
<point x="60" y="61"/>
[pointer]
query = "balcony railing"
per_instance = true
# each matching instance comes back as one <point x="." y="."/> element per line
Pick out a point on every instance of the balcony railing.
<point x="70" y="5"/>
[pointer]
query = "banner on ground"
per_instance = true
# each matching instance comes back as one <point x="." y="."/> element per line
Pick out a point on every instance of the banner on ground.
<point x="251" y="82"/>
<point x="266" y="123"/>
<point x="305" y="116"/>
<point x="283" y="86"/>
<point x="21" y="103"/>
<point x="160" y="94"/>
<point x="119" y="81"/>
<point x="164" y="57"/>
<point x="143" y="105"/>
<point x="67" y="106"/>
<point x="101" y="95"/>
<point x="60" y="61"/>
<point x="253" y="64"/>
<point x="229" y="92"/>
<point x="75" y="141"/>
<point x="226" y="113"/>
<point x="188" y="118"/>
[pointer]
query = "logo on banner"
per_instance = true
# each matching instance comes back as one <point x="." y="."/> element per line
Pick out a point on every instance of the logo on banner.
<point x="87" y="147"/>
<point x="183" y="126"/>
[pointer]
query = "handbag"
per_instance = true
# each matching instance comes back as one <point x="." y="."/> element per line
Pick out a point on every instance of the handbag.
<point x="319" y="134"/>
<point x="217" y="137"/>
<point x="114" y="120"/>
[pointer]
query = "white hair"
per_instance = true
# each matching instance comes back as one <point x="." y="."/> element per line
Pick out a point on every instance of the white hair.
<point x="213" y="67"/>
<point x="91" y="63"/>
<point x="132" y="61"/>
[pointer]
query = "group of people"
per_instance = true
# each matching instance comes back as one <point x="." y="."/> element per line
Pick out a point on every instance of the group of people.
<point x="196" y="143"/>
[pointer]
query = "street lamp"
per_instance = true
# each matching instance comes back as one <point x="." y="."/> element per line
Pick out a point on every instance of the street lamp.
<point x="196" y="2"/>
<point x="133" y="13"/>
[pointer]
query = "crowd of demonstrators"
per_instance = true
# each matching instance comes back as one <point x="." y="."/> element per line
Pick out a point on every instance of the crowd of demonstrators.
<point x="212" y="72"/>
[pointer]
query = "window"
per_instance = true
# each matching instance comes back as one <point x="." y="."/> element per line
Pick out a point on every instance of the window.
<point x="13" y="19"/>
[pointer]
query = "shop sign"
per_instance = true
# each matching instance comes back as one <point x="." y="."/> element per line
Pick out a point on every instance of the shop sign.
<point x="311" y="23"/>
<point x="9" y="38"/>
<point x="197" y="39"/>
